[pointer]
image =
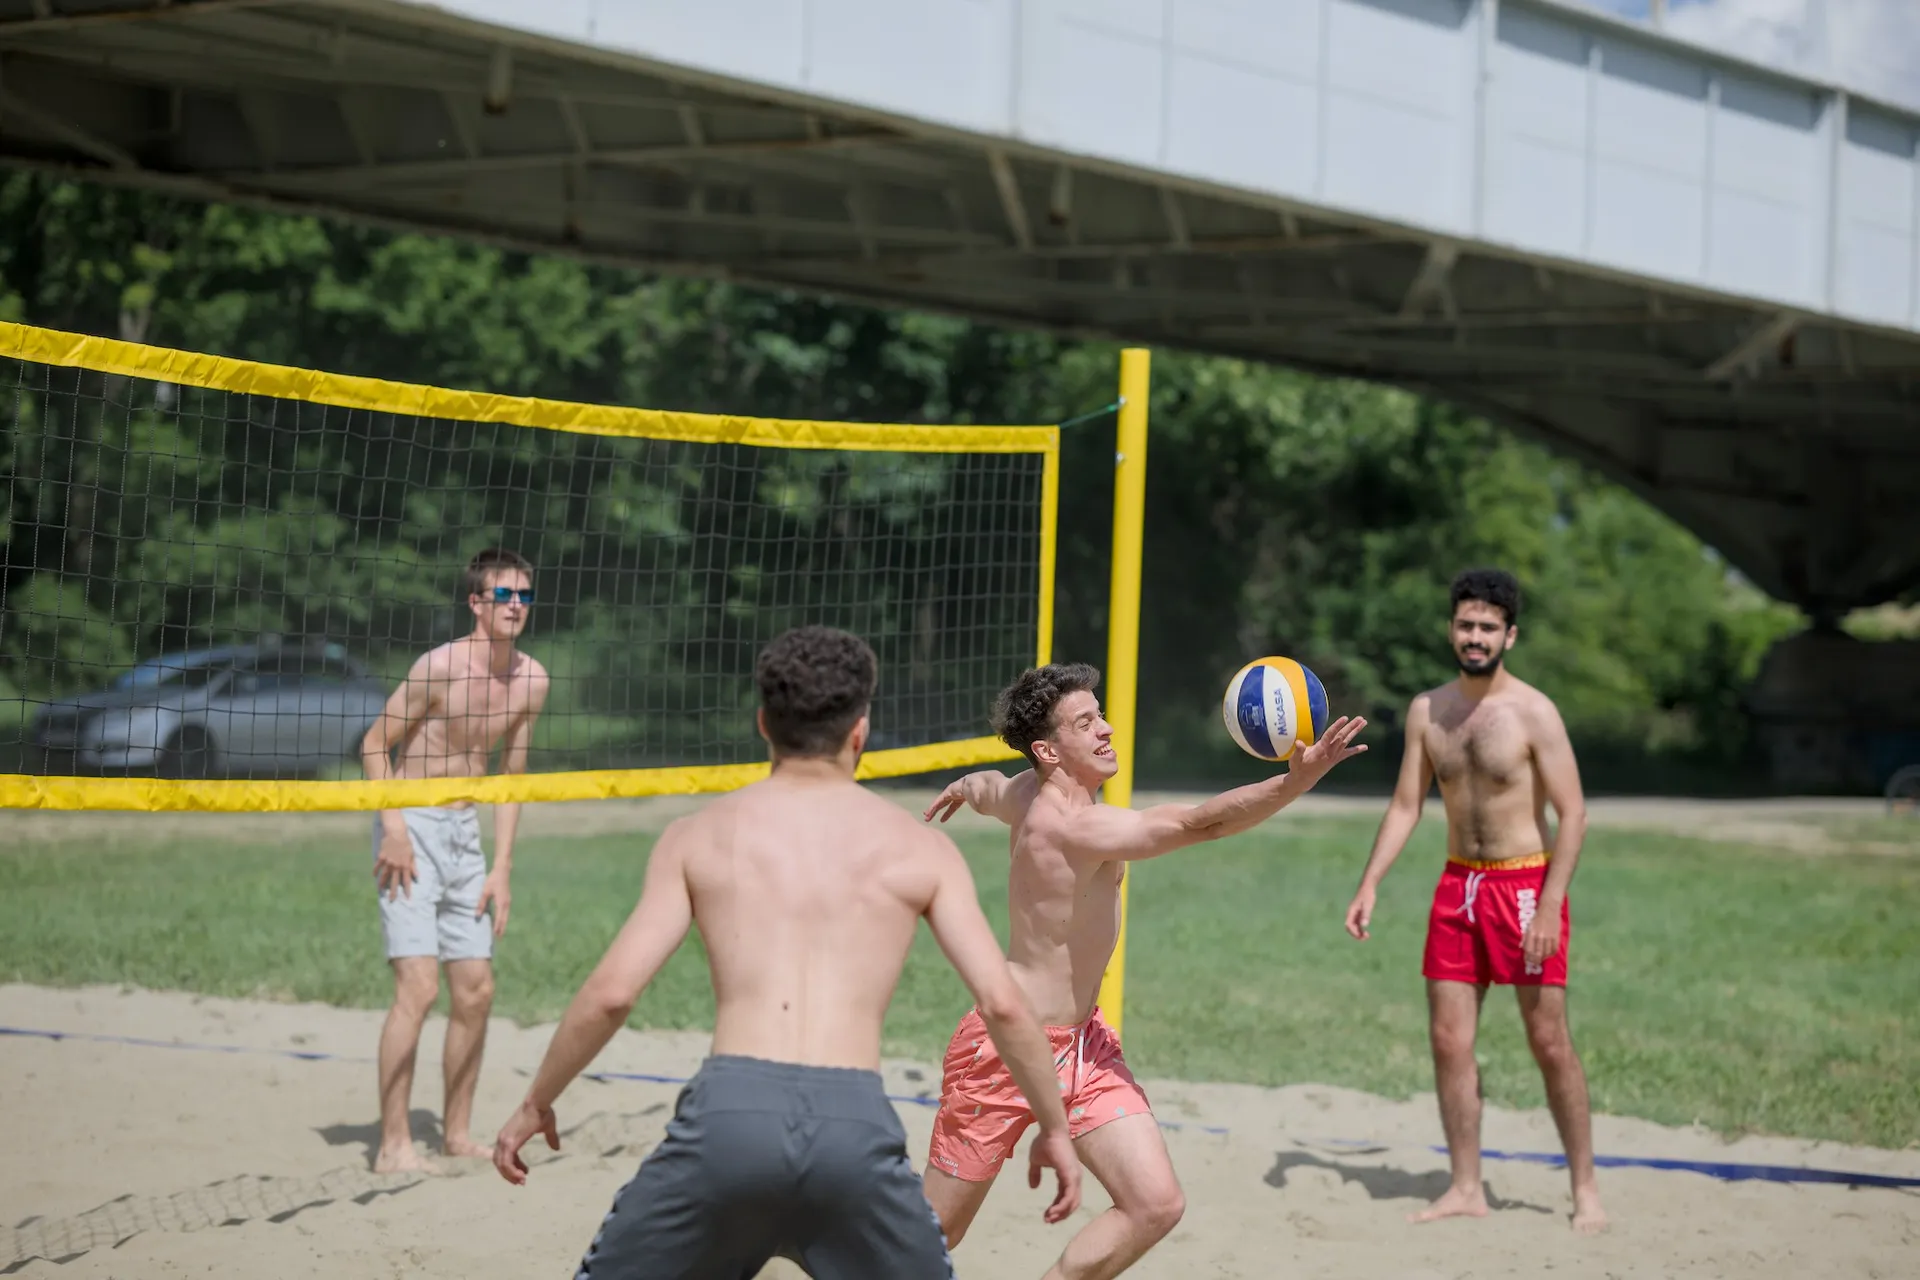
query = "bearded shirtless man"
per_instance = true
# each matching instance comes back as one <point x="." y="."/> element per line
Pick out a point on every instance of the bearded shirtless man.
<point x="1063" y="903"/>
<point x="458" y="702"/>
<point x="1500" y="914"/>
<point x="807" y="889"/>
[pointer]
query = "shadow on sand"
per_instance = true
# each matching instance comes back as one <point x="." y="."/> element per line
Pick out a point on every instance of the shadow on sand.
<point x="1386" y="1183"/>
<point x="424" y="1124"/>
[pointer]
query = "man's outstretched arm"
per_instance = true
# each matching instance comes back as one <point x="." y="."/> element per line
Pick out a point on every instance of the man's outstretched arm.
<point x="987" y="792"/>
<point x="657" y="927"/>
<point x="1110" y="834"/>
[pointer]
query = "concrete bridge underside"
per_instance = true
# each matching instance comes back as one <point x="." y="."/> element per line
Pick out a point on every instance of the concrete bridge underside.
<point x="1786" y="436"/>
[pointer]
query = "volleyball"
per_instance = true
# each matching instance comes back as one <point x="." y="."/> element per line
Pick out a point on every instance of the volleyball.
<point x="1271" y="703"/>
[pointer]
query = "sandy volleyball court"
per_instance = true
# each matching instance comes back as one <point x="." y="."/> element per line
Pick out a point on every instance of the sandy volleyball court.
<point x="137" y="1160"/>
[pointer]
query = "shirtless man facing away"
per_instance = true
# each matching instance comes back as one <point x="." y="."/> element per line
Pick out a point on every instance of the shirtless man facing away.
<point x="807" y="889"/>
<point x="1069" y="854"/>
<point x="1500" y="915"/>
<point x="458" y="702"/>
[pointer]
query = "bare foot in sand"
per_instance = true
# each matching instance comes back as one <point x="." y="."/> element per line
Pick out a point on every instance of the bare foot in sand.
<point x="467" y="1149"/>
<point x="405" y="1159"/>
<point x="1455" y="1204"/>
<point x="1589" y="1219"/>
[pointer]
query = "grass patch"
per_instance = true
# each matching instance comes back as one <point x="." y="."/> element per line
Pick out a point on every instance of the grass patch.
<point x="1749" y="991"/>
<point x="1875" y="833"/>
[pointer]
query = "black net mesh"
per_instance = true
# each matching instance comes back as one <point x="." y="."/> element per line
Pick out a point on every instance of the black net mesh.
<point x="207" y="583"/>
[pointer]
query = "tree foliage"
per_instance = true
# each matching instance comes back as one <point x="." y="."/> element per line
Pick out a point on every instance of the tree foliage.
<point x="1286" y="513"/>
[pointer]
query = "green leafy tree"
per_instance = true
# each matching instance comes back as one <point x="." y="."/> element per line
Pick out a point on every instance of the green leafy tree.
<point x="1286" y="513"/>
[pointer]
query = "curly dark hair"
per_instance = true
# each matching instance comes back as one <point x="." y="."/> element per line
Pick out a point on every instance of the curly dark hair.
<point x="815" y="684"/>
<point x="1496" y="587"/>
<point x="1023" y="713"/>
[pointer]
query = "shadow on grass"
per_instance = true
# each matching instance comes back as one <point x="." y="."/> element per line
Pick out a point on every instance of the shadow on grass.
<point x="1386" y="1183"/>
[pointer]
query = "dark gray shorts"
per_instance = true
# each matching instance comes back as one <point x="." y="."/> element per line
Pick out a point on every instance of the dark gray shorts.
<point x="771" y="1159"/>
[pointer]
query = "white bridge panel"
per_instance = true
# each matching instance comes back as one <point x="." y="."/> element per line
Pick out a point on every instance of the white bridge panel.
<point x="1253" y="61"/>
<point x="1283" y="155"/>
<point x="1539" y="131"/>
<point x="905" y="56"/>
<point x="760" y="40"/>
<point x="1879" y="249"/>
<point x="1093" y="78"/>
<point x="1399" y="135"/>
<point x="1650" y="143"/>
<point x="561" y="19"/>
<point x="1772" y="146"/>
<point x="1524" y="124"/>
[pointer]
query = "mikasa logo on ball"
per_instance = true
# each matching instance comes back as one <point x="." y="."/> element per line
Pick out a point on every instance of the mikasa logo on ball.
<point x="1271" y="704"/>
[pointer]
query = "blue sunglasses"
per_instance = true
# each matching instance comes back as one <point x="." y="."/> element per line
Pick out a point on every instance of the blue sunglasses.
<point x="504" y="595"/>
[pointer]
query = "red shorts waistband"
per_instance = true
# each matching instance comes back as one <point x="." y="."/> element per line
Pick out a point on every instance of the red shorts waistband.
<point x="1064" y="1031"/>
<point x="1524" y="862"/>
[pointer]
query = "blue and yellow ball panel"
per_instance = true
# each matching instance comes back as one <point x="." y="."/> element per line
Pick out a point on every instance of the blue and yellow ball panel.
<point x="1271" y="703"/>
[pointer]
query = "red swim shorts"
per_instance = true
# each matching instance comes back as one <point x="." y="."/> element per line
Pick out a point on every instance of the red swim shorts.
<point x="982" y="1112"/>
<point x="1480" y="913"/>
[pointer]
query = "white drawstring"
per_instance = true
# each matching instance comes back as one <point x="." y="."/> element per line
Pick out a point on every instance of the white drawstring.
<point x="1473" y="888"/>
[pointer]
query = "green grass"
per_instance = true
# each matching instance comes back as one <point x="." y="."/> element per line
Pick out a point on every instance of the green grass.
<point x="1745" y="989"/>
<point x="1751" y="991"/>
<point x="1885" y="832"/>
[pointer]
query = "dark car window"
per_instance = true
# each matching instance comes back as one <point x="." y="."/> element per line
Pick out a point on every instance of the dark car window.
<point x="291" y="671"/>
<point x="170" y="679"/>
<point x="267" y="675"/>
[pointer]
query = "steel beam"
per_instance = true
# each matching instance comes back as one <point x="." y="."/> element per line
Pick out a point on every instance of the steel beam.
<point x="473" y="165"/>
<point x="66" y="131"/>
<point x="45" y="20"/>
<point x="1012" y="204"/>
<point x="1752" y="347"/>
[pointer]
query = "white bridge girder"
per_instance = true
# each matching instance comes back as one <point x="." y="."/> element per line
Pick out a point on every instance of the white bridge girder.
<point x="1701" y="277"/>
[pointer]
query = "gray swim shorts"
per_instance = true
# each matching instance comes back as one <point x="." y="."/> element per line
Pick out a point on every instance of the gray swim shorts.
<point x="771" y="1159"/>
<point x="449" y="869"/>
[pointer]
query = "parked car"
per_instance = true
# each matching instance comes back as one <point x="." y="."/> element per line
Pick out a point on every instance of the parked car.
<point x="242" y="711"/>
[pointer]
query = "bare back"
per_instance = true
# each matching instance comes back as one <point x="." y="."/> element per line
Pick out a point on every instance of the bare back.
<point x="1485" y="756"/>
<point x="807" y="895"/>
<point x="1063" y="914"/>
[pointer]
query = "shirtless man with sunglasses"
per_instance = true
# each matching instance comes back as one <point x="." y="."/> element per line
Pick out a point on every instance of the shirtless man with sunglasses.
<point x="459" y="702"/>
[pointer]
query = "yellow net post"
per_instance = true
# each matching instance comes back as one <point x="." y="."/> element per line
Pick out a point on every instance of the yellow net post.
<point x="1123" y="626"/>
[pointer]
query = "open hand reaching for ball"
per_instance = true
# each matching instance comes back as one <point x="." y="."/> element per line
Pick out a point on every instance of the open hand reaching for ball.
<point x="1311" y="763"/>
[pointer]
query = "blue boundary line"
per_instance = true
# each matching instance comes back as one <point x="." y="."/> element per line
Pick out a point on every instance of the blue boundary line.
<point x="304" y="1055"/>
<point x="1728" y="1171"/>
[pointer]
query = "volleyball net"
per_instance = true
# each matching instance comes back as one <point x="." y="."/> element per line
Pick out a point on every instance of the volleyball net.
<point x="217" y="573"/>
